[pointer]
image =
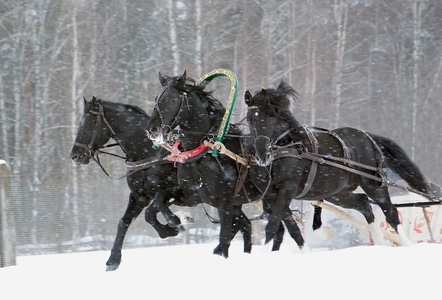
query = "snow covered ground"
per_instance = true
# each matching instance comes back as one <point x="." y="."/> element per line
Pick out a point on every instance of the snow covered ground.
<point x="192" y="272"/>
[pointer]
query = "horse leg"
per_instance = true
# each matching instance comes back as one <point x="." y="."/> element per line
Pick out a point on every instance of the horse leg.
<point x="162" y="201"/>
<point x="317" y="221"/>
<point x="277" y="210"/>
<point x="360" y="202"/>
<point x="241" y="223"/>
<point x="225" y="213"/>
<point x="381" y="197"/>
<point x="150" y="216"/>
<point x="293" y="228"/>
<point x="246" y="229"/>
<point x="279" y="236"/>
<point x="134" y="208"/>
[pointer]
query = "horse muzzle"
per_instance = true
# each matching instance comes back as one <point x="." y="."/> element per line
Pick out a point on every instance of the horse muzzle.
<point x="80" y="159"/>
<point x="264" y="162"/>
<point x="156" y="135"/>
<point x="81" y="154"/>
<point x="263" y="151"/>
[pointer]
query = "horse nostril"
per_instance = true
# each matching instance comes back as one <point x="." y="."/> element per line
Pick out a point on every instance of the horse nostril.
<point x="153" y="129"/>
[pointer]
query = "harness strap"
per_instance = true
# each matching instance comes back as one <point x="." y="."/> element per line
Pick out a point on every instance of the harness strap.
<point x="323" y="159"/>
<point x="135" y="166"/>
<point x="313" y="168"/>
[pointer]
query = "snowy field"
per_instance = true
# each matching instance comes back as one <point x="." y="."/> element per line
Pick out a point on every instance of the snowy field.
<point x="192" y="272"/>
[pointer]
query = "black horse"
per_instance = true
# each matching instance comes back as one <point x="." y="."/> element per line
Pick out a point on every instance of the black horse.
<point x="324" y="165"/>
<point x="151" y="178"/>
<point x="197" y="114"/>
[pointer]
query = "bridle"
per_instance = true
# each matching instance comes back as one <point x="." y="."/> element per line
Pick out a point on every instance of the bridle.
<point x="265" y="137"/>
<point x="176" y="119"/>
<point x="100" y="118"/>
<point x="89" y="147"/>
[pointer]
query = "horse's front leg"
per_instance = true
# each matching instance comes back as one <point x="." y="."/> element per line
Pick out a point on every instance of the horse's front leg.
<point x="240" y="222"/>
<point x="293" y="228"/>
<point x="134" y="208"/>
<point x="279" y="236"/>
<point x="163" y="231"/>
<point x="277" y="213"/>
<point x="163" y="200"/>
<point x="225" y="213"/>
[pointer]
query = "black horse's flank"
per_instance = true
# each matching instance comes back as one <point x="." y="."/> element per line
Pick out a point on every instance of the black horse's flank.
<point x="301" y="175"/>
<point x="151" y="179"/>
<point x="187" y="111"/>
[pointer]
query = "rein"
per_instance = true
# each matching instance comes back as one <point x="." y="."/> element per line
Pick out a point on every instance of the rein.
<point x="131" y="167"/>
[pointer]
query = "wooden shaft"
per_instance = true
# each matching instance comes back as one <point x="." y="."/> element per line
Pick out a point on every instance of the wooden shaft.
<point x="349" y="217"/>
<point x="222" y="149"/>
<point x="427" y="220"/>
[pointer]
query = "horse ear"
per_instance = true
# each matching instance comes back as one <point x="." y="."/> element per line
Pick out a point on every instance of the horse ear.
<point x="163" y="79"/>
<point x="84" y="99"/>
<point x="283" y="85"/>
<point x="182" y="79"/>
<point x="94" y="101"/>
<point x="248" y="98"/>
<point x="264" y="92"/>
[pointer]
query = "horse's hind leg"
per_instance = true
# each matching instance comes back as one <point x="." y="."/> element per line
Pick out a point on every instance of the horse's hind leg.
<point x="360" y="202"/>
<point x="317" y="221"/>
<point x="134" y="208"/>
<point x="381" y="197"/>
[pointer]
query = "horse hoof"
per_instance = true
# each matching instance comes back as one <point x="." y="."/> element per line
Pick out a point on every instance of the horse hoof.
<point x="169" y="232"/>
<point x="113" y="262"/>
<point x="218" y="251"/>
<point x="112" y="267"/>
<point x="174" y="221"/>
<point x="316" y="226"/>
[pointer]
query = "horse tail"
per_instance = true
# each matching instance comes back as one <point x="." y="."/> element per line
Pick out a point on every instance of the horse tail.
<point x="399" y="162"/>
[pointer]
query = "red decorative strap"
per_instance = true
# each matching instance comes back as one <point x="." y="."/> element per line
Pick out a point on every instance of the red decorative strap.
<point x="181" y="157"/>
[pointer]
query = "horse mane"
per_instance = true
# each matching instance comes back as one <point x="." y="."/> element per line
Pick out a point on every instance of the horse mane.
<point x="214" y="105"/>
<point x="134" y="108"/>
<point x="276" y="103"/>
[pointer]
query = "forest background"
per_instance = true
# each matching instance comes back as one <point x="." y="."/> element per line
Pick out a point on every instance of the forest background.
<point x="371" y="64"/>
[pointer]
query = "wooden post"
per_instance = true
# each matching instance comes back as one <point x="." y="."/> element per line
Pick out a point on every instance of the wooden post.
<point x="7" y="224"/>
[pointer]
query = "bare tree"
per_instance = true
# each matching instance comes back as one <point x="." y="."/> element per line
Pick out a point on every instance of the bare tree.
<point x="340" y="10"/>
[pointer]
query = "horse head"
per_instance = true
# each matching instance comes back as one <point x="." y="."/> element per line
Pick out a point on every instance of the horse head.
<point x="93" y="132"/>
<point x="180" y="104"/>
<point x="169" y="106"/>
<point x="261" y="128"/>
<point x="268" y="115"/>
